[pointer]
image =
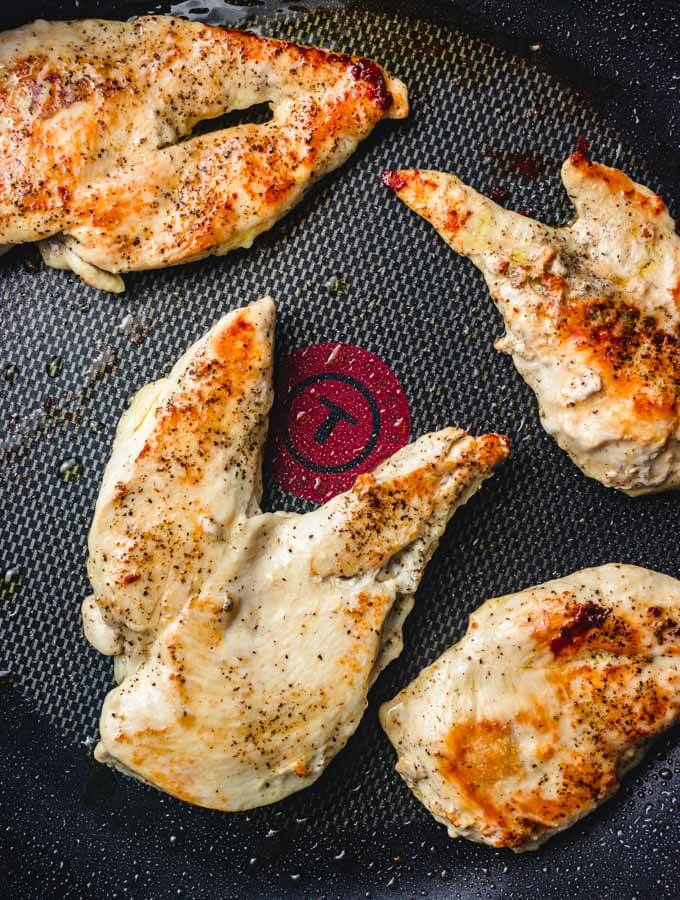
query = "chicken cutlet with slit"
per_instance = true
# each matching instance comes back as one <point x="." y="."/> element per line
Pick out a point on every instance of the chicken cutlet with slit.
<point x="529" y="722"/>
<point x="97" y="161"/>
<point x="245" y="642"/>
<point x="591" y="310"/>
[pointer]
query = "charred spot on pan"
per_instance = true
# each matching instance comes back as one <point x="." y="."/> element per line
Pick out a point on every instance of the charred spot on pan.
<point x="499" y="194"/>
<point x="583" y="617"/>
<point x="526" y="165"/>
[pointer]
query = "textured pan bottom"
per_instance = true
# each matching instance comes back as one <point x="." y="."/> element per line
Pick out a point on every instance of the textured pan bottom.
<point x="71" y="359"/>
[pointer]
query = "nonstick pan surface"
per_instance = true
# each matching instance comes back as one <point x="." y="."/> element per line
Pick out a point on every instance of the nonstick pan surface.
<point x="350" y="264"/>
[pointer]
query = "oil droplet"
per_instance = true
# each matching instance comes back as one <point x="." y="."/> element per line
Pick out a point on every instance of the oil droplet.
<point x="54" y="366"/>
<point x="105" y="363"/>
<point x="13" y="582"/>
<point x="10" y="373"/>
<point x="336" y="285"/>
<point x="666" y="774"/>
<point x="71" y="470"/>
<point x="127" y="323"/>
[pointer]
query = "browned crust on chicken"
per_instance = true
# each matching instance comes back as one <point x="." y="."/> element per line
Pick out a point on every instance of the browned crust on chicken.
<point x="592" y="311"/>
<point x="529" y="722"/>
<point x="246" y="642"/>
<point x="96" y="114"/>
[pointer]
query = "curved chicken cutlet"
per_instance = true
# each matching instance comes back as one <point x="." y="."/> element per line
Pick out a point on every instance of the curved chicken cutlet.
<point x="527" y="724"/>
<point x="94" y="119"/>
<point x="592" y="312"/>
<point x="245" y="642"/>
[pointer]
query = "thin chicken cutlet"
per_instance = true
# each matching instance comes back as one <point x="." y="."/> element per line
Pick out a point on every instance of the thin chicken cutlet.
<point x="97" y="161"/>
<point x="528" y="723"/>
<point x="245" y="642"/>
<point x="591" y="310"/>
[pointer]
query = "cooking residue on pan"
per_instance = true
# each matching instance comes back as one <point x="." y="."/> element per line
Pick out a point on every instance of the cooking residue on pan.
<point x="527" y="165"/>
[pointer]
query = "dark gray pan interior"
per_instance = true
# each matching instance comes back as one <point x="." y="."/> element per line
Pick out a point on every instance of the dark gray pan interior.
<point x="71" y="358"/>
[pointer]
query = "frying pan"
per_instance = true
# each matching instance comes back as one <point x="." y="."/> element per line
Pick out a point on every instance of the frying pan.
<point x="500" y="94"/>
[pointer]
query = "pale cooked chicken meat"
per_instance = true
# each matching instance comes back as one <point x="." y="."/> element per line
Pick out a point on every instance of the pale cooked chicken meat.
<point x="591" y="310"/>
<point x="528" y="723"/>
<point x="93" y="121"/>
<point x="245" y="642"/>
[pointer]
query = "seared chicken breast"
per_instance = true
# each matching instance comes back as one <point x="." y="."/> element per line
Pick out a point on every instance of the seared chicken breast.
<point x="528" y="723"/>
<point x="94" y="160"/>
<point x="245" y="642"/>
<point x="592" y="312"/>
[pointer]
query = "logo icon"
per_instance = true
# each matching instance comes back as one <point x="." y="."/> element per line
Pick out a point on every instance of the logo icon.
<point x="339" y="411"/>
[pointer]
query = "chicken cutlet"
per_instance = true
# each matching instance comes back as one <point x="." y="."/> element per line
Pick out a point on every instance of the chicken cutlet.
<point x="245" y="642"/>
<point x="97" y="162"/>
<point x="529" y="722"/>
<point x="591" y="310"/>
